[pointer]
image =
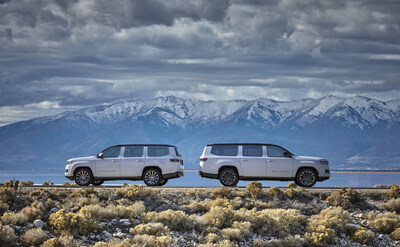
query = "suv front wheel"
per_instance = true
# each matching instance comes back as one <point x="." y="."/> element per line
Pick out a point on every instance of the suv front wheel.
<point x="306" y="177"/>
<point x="83" y="177"/>
<point x="152" y="177"/>
<point x="228" y="177"/>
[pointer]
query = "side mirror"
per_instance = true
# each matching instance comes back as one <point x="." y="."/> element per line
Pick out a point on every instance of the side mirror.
<point x="287" y="155"/>
<point x="100" y="155"/>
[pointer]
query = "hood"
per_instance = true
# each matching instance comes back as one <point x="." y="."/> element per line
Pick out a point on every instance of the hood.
<point x="311" y="158"/>
<point x="83" y="158"/>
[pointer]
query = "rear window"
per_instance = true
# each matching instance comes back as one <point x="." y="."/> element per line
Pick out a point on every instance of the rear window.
<point x="224" y="150"/>
<point x="252" y="150"/>
<point x="157" y="151"/>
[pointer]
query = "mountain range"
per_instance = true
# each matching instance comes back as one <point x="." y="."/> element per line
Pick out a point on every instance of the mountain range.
<point x="352" y="133"/>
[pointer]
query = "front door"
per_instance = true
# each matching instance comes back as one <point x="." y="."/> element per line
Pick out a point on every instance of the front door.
<point x="278" y="166"/>
<point x="253" y="161"/>
<point x="132" y="161"/>
<point x="109" y="164"/>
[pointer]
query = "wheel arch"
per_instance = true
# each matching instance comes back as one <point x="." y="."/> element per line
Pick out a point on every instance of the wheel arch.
<point x="304" y="167"/>
<point x="228" y="166"/>
<point x="82" y="167"/>
<point x="149" y="167"/>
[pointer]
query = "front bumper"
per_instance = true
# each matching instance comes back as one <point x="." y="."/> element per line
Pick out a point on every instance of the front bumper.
<point x="177" y="174"/>
<point x="70" y="177"/>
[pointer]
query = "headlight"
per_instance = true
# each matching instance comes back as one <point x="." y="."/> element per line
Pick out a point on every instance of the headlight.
<point x="324" y="162"/>
<point x="69" y="162"/>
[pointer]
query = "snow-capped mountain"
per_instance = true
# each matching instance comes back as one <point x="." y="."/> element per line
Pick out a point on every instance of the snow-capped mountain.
<point x="342" y="130"/>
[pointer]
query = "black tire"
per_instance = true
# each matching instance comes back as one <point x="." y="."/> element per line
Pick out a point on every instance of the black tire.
<point x="83" y="177"/>
<point x="306" y="177"/>
<point x="97" y="182"/>
<point x="163" y="182"/>
<point x="152" y="177"/>
<point x="228" y="177"/>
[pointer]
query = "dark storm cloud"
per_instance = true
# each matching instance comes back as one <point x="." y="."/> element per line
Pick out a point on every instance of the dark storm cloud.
<point x="65" y="53"/>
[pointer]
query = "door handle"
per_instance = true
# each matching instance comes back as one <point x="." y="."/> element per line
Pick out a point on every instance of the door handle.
<point x="270" y="160"/>
<point x="114" y="161"/>
<point x="244" y="160"/>
<point x="139" y="160"/>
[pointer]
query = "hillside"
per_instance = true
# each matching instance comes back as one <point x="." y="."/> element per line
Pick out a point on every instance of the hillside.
<point x="353" y="133"/>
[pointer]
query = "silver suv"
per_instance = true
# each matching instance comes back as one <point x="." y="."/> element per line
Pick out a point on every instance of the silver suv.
<point x="230" y="162"/>
<point x="154" y="164"/>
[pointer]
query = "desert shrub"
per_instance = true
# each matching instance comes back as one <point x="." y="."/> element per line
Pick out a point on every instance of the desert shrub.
<point x="254" y="189"/>
<point x="381" y="186"/>
<point x="288" y="221"/>
<point x="289" y="241"/>
<point x="222" y="191"/>
<point x="3" y="207"/>
<point x="394" y="191"/>
<point x="153" y="229"/>
<point x="220" y="217"/>
<point x="291" y="185"/>
<point x="113" y="212"/>
<point x="384" y="222"/>
<point x="175" y="220"/>
<point x="395" y="234"/>
<point x="146" y="240"/>
<point x="363" y="236"/>
<point x="73" y="223"/>
<point x="344" y="198"/>
<point x="238" y="232"/>
<point x="259" y="243"/>
<point x="290" y="193"/>
<point x="7" y="194"/>
<point x="197" y="193"/>
<point x="135" y="191"/>
<point x="320" y="236"/>
<point x="53" y="242"/>
<point x="14" y="218"/>
<point x="35" y="211"/>
<point x="212" y="238"/>
<point x="76" y="203"/>
<point x="393" y="205"/>
<point x="223" y="243"/>
<point x="84" y="192"/>
<point x="27" y="183"/>
<point x="275" y="192"/>
<point x="33" y="237"/>
<point x="207" y="204"/>
<point x="47" y="183"/>
<point x="7" y="235"/>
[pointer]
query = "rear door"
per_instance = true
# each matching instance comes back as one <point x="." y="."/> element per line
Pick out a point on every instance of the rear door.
<point x="253" y="161"/>
<point x="132" y="161"/>
<point x="109" y="164"/>
<point x="278" y="166"/>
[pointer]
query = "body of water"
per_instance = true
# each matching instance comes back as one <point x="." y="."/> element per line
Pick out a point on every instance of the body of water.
<point x="192" y="179"/>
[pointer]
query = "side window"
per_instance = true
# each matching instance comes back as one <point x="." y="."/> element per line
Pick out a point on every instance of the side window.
<point x="252" y="150"/>
<point x="275" y="151"/>
<point x="112" y="152"/>
<point x="157" y="151"/>
<point x="133" y="151"/>
<point x="224" y="150"/>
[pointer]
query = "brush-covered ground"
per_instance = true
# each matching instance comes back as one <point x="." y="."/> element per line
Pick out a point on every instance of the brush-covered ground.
<point x="253" y="216"/>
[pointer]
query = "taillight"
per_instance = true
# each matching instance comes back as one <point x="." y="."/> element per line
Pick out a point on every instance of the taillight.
<point x="203" y="159"/>
<point x="174" y="160"/>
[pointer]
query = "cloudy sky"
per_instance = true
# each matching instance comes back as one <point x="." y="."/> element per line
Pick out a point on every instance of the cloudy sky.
<point x="66" y="54"/>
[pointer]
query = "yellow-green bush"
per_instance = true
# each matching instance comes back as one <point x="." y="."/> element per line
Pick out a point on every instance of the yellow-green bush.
<point x="384" y="222"/>
<point x="363" y="236"/>
<point x="212" y="238"/>
<point x="33" y="212"/>
<point x="320" y="236"/>
<point x="289" y="241"/>
<point x="254" y="189"/>
<point x="7" y="194"/>
<point x="197" y="193"/>
<point x="27" y="183"/>
<point x="7" y="235"/>
<point x="381" y="186"/>
<point x="291" y="185"/>
<point x="75" y="224"/>
<point x="14" y="218"/>
<point x="3" y="207"/>
<point x="394" y="191"/>
<point x="258" y="243"/>
<point x="33" y="237"/>
<point x="222" y="191"/>
<point x="53" y="242"/>
<point x="395" y="234"/>
<point x="153" y="229"/>
<point x="150" y="241"/>
<point x="175" y="220"/>
<point x="220" y="217"/>
<point x="275" y="192"/>
<point x="223" y="243"/>
<point x="239" y="231"/>
<point x="344" y="198"/>
<point x="134" y="191"/>
<point x="393" y="205"/>
<point x="113" y="212"/>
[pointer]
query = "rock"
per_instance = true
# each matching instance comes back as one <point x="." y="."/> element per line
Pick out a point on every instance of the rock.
<point x="54" y="210"/>
<point x="125" y="222"/>
<point x="119" y="235"/>
<point x="92" y="236"/>
<point x="29" y="226"/>
<point x="107" y="234"/>
<point x="38" y="223"/>
<point x="114" y="221"/>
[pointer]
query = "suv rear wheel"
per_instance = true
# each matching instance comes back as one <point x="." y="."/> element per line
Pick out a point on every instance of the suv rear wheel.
<point x="152" y="177"/>
<point x="228" y="177"/>
<point x="83" y="177"/>
<point x="306" y="177"/>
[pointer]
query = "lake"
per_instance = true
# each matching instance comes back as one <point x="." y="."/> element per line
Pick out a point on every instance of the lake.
<point x="192" y="179"/>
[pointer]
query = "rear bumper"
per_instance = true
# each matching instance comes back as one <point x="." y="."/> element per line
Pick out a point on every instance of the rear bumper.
<point x="207" y="175"/>
<point x="70" y="177"/>
<point x="173" y="175"/>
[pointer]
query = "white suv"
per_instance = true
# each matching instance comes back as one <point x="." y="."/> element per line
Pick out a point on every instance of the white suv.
<point x="154" y="164"/>
<point x="230" y="162"/>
